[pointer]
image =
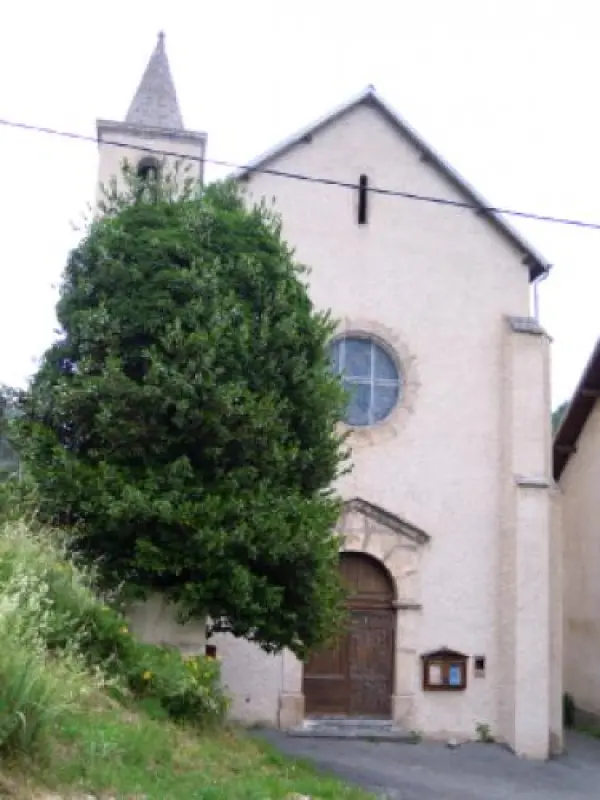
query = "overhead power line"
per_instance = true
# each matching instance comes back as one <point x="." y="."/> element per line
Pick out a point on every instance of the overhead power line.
<point x="577" y="223"/>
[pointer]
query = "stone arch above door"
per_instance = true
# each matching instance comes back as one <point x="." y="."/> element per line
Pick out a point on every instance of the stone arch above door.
<point x="369" y="583"/>
<point x="396" y="543"/>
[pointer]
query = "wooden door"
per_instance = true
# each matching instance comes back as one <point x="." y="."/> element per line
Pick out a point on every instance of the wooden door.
<point x="371" y="662"/>
<point x="354" y="675"/>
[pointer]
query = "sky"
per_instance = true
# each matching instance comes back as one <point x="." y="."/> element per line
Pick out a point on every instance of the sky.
<point x="506" y="91"/>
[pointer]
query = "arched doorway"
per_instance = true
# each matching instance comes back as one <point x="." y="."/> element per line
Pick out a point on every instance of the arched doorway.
<point x="354" y="676"/>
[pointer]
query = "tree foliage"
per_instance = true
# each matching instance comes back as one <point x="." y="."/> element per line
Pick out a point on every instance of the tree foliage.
<point x="9" y="404"/>
<point x="183" y="425"/>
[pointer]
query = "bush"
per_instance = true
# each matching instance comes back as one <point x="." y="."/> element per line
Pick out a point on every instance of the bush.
<point x="17" y="498"/>
<point x="186" y="690"/>
<point x="60" y="622"/>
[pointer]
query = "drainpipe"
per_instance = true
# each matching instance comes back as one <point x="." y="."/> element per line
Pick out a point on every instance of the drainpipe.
<point x="536" y="297"/>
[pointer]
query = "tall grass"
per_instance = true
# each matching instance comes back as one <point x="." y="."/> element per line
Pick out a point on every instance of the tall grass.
<point x="60" y="641"/>
<point x="36" y="686"/>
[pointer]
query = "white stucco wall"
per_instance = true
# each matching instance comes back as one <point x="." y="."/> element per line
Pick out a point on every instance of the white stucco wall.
<point x="252" y="678"/>
<point x="580" y="486"/>
<point x="155" y="622"/>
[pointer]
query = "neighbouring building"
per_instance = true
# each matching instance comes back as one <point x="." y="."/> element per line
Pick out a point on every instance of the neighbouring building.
<point x="449" y="527"/>
<point x="577" y="471"/>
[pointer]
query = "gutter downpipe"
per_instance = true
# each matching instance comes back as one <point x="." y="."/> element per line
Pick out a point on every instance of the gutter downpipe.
<point x="536" y="286"/>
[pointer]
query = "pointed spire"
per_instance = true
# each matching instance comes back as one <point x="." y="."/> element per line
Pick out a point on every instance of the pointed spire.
<point x="155" y="102"/>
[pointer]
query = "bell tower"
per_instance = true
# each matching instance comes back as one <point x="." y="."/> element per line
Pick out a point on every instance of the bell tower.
<point x="153" y="136"/>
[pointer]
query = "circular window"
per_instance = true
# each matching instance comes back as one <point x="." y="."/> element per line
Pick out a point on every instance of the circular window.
<point x="370" y="376"/>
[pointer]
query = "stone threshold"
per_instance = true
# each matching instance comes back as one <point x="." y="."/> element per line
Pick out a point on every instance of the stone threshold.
<point x="352" y="728"/>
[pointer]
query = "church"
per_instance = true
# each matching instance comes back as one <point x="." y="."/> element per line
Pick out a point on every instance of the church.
<point x="451" y="536"/>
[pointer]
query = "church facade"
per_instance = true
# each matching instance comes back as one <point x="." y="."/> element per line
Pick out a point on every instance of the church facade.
<point x="451" y="540"/>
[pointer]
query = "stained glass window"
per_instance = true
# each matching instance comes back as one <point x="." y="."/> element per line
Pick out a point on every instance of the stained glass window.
<point x="370" y="376"/>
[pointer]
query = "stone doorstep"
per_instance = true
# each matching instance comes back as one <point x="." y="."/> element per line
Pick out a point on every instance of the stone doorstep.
<point x="344" y="728"/>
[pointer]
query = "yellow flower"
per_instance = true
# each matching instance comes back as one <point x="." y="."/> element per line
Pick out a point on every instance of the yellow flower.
<point x="124" y="629"/>
<point x="147" y="675"/>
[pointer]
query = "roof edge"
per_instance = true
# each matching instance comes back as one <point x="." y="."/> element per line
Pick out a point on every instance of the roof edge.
<point x="148" y="132"/>
<point x="537" y="264"/>
<point x="581" y="405"/>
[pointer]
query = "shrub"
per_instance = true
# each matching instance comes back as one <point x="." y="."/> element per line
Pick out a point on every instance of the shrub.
<point x="186" y="690"/>
<point x="17" y="498"/>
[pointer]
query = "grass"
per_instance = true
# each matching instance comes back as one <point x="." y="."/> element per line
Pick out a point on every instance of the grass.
<point x="589" y="729"/>
<point x="115" y="753"/>
<point x="85" y="709"/>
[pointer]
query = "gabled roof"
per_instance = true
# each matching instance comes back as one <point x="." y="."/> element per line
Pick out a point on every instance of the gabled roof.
<point x="577" y="413"/>
<point x="535" y="262"/>
<point x="155" y="103"/>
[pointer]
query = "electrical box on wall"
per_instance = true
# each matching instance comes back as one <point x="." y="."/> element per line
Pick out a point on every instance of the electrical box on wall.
<point x="479" y="666"/>
<point x="444" y="670"/>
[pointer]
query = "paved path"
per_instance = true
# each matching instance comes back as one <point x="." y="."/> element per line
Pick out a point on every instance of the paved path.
<point x="429" y="771"/>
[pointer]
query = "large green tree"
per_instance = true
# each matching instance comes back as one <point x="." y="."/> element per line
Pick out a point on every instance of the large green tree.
<point x="183" y="426"/>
